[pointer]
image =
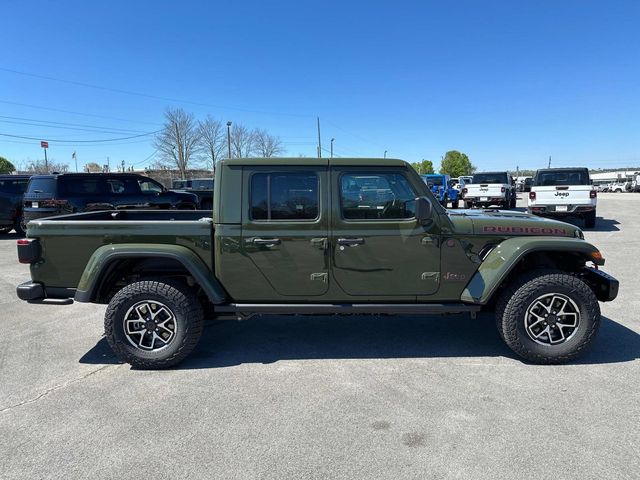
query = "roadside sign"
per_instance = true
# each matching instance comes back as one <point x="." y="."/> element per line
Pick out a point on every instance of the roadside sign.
<point x="44" y="144"/>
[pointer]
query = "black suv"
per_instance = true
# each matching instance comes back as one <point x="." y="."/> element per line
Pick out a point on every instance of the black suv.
<point x="59" y="194"/>
<point x="12" y="188"/>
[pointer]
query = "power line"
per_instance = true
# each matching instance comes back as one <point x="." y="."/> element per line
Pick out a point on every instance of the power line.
<point x="62" y="127"/>
<point x="81" y="141"/>
<point x="121" y="130"/>
<point x="146" y="95"/>
<point x="39" y="107"/>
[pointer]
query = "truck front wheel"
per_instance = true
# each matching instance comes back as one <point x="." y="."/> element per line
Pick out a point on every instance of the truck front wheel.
<point x="548" y="317"/>
<point x="153" y="324"/>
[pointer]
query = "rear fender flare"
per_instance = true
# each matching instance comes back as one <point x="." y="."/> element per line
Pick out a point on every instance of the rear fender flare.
<point x="506" y="255"/>
<point x="98" y="265"/>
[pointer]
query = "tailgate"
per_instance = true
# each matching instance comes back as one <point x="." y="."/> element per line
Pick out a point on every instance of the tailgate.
<point x="485" y="190"/>
<point x="563" y="195"/>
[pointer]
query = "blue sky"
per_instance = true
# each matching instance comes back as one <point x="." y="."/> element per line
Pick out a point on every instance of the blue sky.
<point x="507" y="82"/>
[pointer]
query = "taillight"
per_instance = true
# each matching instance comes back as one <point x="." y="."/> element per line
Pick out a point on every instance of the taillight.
<point x="593" y="194"/>
<point x="464" y="190"/>
<point x="503" y="189"/>
<point x="28" y="250"/>
<point x="532" y="195"/>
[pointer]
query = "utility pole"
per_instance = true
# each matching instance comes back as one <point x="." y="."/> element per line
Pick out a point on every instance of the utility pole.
<point x="122" y="166"/>
<point x="108" y="165"/>
<point x="319" y="143"/>
<point x="385" y="154"/>
<point x="332" y="147"/>
<point x="229" y="138"/>
<point x="549" y="162"/>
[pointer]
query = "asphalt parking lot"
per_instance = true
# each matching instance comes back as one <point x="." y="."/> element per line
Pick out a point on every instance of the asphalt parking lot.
<point x="323" y="397"/>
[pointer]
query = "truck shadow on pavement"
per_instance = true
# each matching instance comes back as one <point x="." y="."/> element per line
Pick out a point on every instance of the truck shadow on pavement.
<point x="267" y="339"/>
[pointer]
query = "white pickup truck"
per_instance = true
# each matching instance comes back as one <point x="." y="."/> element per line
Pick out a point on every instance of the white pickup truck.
<point x="490" y="188"/>
<point x="564" y="192"/>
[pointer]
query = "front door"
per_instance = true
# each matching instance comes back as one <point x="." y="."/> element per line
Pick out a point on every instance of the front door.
<point x="285" y="228"/>
<point x="379" y="249"/>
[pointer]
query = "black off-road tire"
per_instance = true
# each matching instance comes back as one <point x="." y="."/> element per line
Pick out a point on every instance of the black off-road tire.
<point x="468" y="204"/>
<point x="513" y="303"/>
<point x="514" y="201"/>
<point x="20" y="227"/>
<point x="590" y="220"/>
<point x="444" y="201"/>
<point x="455" y="204"/>
<point x="179" y="299"/>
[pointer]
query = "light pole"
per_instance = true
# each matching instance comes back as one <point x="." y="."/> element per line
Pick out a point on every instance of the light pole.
<point x="332" y="147"/>
<point x="229" y="138"/>
<point x="385" y="154"/>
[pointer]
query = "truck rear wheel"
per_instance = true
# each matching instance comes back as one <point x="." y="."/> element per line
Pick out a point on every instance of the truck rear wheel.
<point x="153" y="324"/>
<point x="548" y="317"/>
<point x="590" y="220"/>
<point x="455" y="204"/>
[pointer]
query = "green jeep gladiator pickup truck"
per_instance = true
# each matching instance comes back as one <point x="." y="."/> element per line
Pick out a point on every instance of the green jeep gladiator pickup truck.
<point x="319" y="236"/>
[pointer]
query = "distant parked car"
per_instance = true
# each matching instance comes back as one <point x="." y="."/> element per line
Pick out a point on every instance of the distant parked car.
<point x="12" y="189"/>
<point x="202" y="187"/>
<point x="442" y="189"/>
<point x="59" y="194"/>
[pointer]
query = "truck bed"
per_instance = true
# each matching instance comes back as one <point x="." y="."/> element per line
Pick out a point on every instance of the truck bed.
<point x="67" y="242"/>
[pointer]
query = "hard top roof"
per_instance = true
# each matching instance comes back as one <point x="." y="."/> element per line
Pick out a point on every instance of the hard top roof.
<point x="313" y="161"/>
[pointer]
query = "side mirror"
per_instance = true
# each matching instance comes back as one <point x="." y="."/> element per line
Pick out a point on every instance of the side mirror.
<point x="424" y="210"/>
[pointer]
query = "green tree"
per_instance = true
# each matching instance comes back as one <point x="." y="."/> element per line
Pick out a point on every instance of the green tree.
<point x="6" y="166"/>
<point x="456" y="163"/>
<point x="423" y="167"/>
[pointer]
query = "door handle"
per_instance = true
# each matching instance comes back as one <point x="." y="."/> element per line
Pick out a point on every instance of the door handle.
<point x="351" y="242"/>
<point x="267" y="242"/>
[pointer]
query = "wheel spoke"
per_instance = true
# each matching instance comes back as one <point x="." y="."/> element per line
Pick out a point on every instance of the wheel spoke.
<point x="545" y="307"/>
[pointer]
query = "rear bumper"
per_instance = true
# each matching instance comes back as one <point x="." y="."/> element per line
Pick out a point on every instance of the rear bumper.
<point x="33" y="291"/>
<point x="550" y="210"/>
<point x="603" y="285"/>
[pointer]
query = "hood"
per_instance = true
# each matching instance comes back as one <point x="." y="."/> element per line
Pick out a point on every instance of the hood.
<point x="507" y="223"/>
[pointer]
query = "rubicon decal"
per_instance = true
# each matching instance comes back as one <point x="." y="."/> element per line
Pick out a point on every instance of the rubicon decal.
<point x="526" y="230"/>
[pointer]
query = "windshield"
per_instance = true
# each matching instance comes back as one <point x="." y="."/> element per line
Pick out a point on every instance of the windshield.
<point x="562" y="177"/>
<point x="42" y="185"/>
<point x="489" y="178"/>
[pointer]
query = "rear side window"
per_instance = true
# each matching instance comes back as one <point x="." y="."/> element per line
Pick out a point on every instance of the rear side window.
<point x="89" y="185"/>
<point x="10" y="185"/>
<point x="42" y="185"/>
<point x="284" y="196"/>
<point x="377" y="196"/>
<point x="490" y="178"/>
<point x="564" y="177"/>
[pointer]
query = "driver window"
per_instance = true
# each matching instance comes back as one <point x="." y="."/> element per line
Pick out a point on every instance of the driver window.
<point x="376" y="196"/>
<point x="149" y="186"/>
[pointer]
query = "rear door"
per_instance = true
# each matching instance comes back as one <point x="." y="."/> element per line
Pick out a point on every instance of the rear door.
<point x="378" y="247"/>
<point x="285" y="229"/>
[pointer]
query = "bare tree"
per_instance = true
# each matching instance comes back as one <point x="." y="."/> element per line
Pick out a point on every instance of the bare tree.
<point x="267" y="145"/>
<point x="212" y="140"/>
<point x="179" y="139"/>
<point x="243" y="142"/>
<point x="39" y="167"/>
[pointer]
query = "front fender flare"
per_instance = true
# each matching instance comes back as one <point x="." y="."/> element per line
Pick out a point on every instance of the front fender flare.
<point x="101" y="259"/>
<point x="504" y="257"/>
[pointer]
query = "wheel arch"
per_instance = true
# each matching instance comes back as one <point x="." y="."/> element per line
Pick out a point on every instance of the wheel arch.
<point x="521" y="254"/>
<point x="110" y="262"/>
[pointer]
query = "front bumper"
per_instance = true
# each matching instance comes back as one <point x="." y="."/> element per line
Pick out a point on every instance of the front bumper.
<point x="603" y="285"/>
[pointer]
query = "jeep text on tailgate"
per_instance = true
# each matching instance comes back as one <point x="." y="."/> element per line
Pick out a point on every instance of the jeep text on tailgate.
<point x="318" y="236"/>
